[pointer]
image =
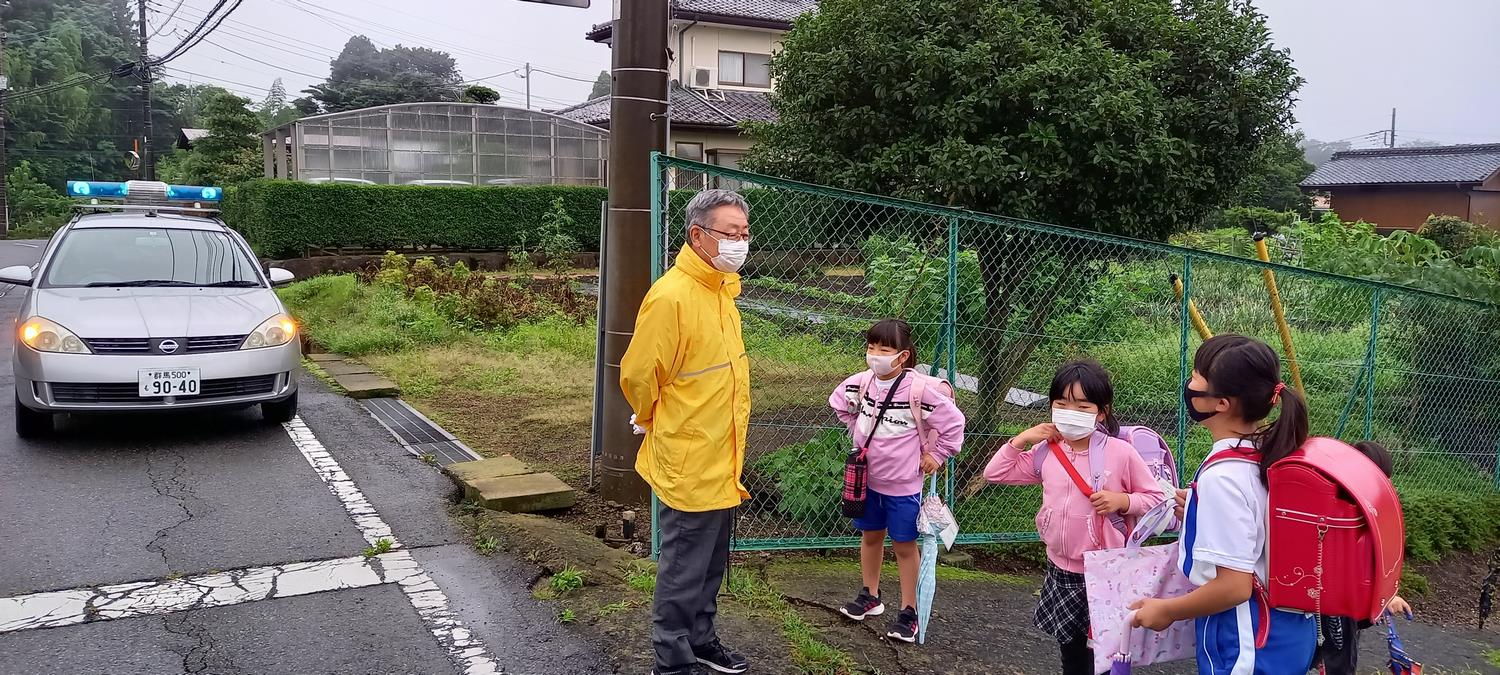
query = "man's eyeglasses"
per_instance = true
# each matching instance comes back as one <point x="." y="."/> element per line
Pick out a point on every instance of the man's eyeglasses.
<point x="727" y="235"/>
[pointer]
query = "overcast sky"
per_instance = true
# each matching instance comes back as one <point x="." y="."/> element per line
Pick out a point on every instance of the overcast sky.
<point x="1436" y="61"/>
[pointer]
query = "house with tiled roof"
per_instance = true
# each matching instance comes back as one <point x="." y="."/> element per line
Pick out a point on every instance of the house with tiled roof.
<point x="720" y="73"/>
<point x="1398" y="188"/>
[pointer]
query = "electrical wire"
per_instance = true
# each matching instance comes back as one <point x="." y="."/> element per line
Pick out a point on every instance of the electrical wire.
<point x="168" y="20"/>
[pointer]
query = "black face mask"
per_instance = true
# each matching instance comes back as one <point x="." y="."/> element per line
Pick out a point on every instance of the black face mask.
<point x="1188" y="394"/>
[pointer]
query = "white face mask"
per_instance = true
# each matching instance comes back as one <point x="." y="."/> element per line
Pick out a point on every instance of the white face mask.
<point x="1074" y="424"/>
<point x="732" y="255"/>
<point x="883" y="365"/>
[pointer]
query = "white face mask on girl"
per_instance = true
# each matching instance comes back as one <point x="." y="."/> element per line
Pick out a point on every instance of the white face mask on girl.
<point x="1074" y="424"/>
<point x="884" y="365"/>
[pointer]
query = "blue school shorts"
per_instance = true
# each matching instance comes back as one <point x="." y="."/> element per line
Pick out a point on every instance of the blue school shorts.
<point x="1226" y="642"/>
<point x="896" y="515"/>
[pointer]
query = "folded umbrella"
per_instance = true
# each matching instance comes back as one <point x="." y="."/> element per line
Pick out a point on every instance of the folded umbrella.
<point x="934" y="520"/>
<point x="1401" y="663"/>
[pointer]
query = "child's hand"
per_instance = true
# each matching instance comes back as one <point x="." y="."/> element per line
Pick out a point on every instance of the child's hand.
<point x="1106" y="502"/>
<point x="1034" y="435"/>
<point x="930" y="464"/>
<point x="1151" y="613"/>
<point x="1399" y="605"/>
<point x="1181" y="499"/>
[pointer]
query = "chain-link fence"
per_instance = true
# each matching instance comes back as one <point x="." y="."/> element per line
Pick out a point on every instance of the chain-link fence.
<point x="998" y="303"/>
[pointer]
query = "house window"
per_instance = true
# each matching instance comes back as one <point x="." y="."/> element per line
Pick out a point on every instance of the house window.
<point x="690" y="180"/>
<point x="745" y="70"/>
<point x="728" y="159"/>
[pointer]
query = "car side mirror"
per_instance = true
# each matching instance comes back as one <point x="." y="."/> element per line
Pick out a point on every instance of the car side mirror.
<point x="19" y="275"/>
<point x="278" y="276"/>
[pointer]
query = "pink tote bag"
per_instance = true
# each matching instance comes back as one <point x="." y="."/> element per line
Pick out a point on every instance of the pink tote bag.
<point x="1116" y="578"/>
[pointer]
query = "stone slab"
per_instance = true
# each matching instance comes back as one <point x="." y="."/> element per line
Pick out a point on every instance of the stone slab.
<point x="345" y="368"/>
<point x="367" y="385"/>
<point x="481" y="469"/>
<point x="524" y="493"/>
<point x="325" y="357"/>
<point x="956" y="558"/>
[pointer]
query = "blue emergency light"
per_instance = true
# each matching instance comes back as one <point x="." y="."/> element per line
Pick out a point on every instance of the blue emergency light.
<point x="194" y="193"/>
<point x="90" y="188"/>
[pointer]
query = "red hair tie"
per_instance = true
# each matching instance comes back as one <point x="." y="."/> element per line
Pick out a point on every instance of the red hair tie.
<point x="1276" y="393"/>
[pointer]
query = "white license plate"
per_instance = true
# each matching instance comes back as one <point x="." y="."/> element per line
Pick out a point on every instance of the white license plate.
<point x="169" y="382"/>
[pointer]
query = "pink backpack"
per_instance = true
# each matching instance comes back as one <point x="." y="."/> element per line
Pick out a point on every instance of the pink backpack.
<point x="1147" y="443"/>
<point x="919" y="385"/>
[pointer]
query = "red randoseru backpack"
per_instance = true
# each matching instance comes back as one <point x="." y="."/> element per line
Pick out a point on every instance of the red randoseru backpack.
<point x="1337" y="537"/>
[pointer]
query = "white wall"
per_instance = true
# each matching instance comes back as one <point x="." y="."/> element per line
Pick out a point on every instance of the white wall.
<point x="703" y="42"/>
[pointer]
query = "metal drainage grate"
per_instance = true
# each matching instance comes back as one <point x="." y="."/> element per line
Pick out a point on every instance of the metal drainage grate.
<point x="418" y="434"/>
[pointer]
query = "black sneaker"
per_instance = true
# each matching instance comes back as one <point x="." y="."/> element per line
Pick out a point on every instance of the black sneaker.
<point x="720" y="658"/>
<point x="864" y="605"/>
<point x="904" y="628"/>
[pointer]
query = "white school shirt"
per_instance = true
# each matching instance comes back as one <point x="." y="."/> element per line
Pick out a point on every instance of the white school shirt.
<point x="1230" y="519"/>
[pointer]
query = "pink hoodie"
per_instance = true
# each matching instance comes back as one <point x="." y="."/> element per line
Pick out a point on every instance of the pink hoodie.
<point x="1067" y="522"/>
<point x="896" y="451"/>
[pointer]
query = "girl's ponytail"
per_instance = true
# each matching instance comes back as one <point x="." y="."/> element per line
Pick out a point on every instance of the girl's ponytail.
<point x="1248" y="371"/>
<point x="1287" y="433"/>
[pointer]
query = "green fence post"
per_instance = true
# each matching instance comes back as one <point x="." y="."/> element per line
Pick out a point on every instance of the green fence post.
<point x="950" y="327"/>
<point x="1497" y="465"/>
<point x="1183" y="370"/>
<point x="1359" y="383"/>
<point x="658" y="234"/>
<point x="1375" y="297"/>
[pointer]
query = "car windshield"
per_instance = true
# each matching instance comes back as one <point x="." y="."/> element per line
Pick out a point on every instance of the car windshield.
<point x="141" y="256"/>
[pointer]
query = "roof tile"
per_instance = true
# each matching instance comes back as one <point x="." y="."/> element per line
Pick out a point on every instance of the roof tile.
<point x="689" y="108"/>
<point x="1441" y="164"/>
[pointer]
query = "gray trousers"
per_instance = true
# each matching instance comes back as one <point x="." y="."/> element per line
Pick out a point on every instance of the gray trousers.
<point x="689" y="570"/>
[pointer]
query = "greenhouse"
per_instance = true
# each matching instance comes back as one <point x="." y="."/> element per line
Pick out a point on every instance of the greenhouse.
<point x="437" y="144"/>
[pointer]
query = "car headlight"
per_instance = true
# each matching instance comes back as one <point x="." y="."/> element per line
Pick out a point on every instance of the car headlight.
<point x="45" y="335"/>
<point x="273" y="332"/>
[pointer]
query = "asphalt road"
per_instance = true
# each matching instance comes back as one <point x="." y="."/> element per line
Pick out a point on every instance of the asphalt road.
<point x="163" y="498"/>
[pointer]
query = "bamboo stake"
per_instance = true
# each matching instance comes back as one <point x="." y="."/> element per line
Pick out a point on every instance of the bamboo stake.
<point x="1286" y="331"/>
<point x="1198" y="323"/>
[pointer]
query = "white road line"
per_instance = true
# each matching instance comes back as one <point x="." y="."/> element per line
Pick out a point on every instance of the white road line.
<point x="465" y="651"/>
<point x="144" y="598"/>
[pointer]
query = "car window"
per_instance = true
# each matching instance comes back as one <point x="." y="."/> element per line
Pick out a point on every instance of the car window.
<point x="131" y="256"/>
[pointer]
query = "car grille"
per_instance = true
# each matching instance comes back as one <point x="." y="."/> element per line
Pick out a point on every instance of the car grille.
<point x="144" y="346"/>
<point x="129" y="392"/>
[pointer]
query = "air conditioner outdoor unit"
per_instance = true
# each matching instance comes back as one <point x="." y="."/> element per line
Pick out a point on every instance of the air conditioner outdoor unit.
<point x="705" y="78"/>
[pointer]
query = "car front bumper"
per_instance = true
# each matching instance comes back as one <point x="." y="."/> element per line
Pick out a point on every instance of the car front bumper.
<point x="102" y="382"/>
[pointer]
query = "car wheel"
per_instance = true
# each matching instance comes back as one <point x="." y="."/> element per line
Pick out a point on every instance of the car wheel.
<point x="279" y="412"/>
<point x="31" y="423"/>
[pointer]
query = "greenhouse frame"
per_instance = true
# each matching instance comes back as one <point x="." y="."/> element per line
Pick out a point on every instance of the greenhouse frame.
<point x="437" y="144"/>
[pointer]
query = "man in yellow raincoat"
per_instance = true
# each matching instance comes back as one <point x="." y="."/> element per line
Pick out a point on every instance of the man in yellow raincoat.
<point x="687" y="378"/>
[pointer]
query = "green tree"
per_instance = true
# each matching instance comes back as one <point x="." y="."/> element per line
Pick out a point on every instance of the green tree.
<point x="1279" y="165"/>
<point x="364" y="75"/>
<point x="275" y="111"/>
<point x="602" y="85"/>
<point x="1318" y="151"/>
<point x="1131" y="117"/>
<point x="481" y="94"/>
<point x="229" y="154"/>
<point x="36" y="210"/>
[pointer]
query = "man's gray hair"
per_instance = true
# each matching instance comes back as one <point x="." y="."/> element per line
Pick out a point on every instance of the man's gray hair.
<point x="706" y="201"/>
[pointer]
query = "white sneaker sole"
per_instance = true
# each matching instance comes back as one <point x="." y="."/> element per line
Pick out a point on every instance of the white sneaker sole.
<point x="879" y="609"/>
<point x="896" y="636"/>
<point x="721" y="669"/>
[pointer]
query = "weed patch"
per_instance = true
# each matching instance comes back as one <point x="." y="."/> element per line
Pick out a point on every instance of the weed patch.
<point x="382" y="545"/>
<point x="567" y="580"/>
<point x="641" y="577"/>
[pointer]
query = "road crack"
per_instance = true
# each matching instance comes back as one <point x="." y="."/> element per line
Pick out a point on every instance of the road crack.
<point x="201" y="655"/>
<point x="170" y="484"/>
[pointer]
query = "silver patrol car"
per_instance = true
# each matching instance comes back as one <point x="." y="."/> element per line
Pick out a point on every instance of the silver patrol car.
<point x="149" y="304"/>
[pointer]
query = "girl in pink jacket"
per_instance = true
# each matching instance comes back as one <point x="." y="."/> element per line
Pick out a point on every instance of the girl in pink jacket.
<point x="897" y="463"/>
<point x="1070" y="521"/>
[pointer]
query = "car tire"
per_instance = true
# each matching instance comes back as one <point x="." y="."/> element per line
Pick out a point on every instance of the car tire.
<point x="32" y="423"/>
<point x="279" y="412"/>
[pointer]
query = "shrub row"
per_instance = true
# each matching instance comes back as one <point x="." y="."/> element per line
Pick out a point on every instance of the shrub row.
<point x="287" y="218"/>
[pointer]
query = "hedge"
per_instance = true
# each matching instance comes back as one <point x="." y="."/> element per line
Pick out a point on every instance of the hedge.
<point x="284" y="219"/>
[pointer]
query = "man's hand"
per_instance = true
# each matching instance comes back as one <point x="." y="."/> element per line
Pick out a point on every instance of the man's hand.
<point x="930" y="464"/>
<point x="1181" y="499"/>
<point x="1106" y="502"/>
<point x="636" y="428"/>
<point x="1151" y="613"/>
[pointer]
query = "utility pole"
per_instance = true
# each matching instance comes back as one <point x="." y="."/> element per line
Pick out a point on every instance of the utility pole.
<point x="143" y="72"/>
<point x="4" y="165"/>
<point x="637" y="126"/>
<point x="528" y="85"/>
<point x="1391" y="143"/>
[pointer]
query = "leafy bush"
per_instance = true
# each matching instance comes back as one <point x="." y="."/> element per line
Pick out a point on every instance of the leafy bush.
<point x="36" y="210"/>
<point x="558" y="245"/>
<point x="1250" y="219"/>
<point x="809" y="480"/>
<point x="1439" y="522"/>
<point x="286" y="218"/>
<point x="478" y="301"/>
<point x="1451" y="233"/>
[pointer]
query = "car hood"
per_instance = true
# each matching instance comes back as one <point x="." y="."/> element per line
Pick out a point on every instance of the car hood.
<point x="156" y="312"/>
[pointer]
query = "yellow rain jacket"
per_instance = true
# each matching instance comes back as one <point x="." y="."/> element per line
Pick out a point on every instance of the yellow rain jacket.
<point x="687" y="377"/>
